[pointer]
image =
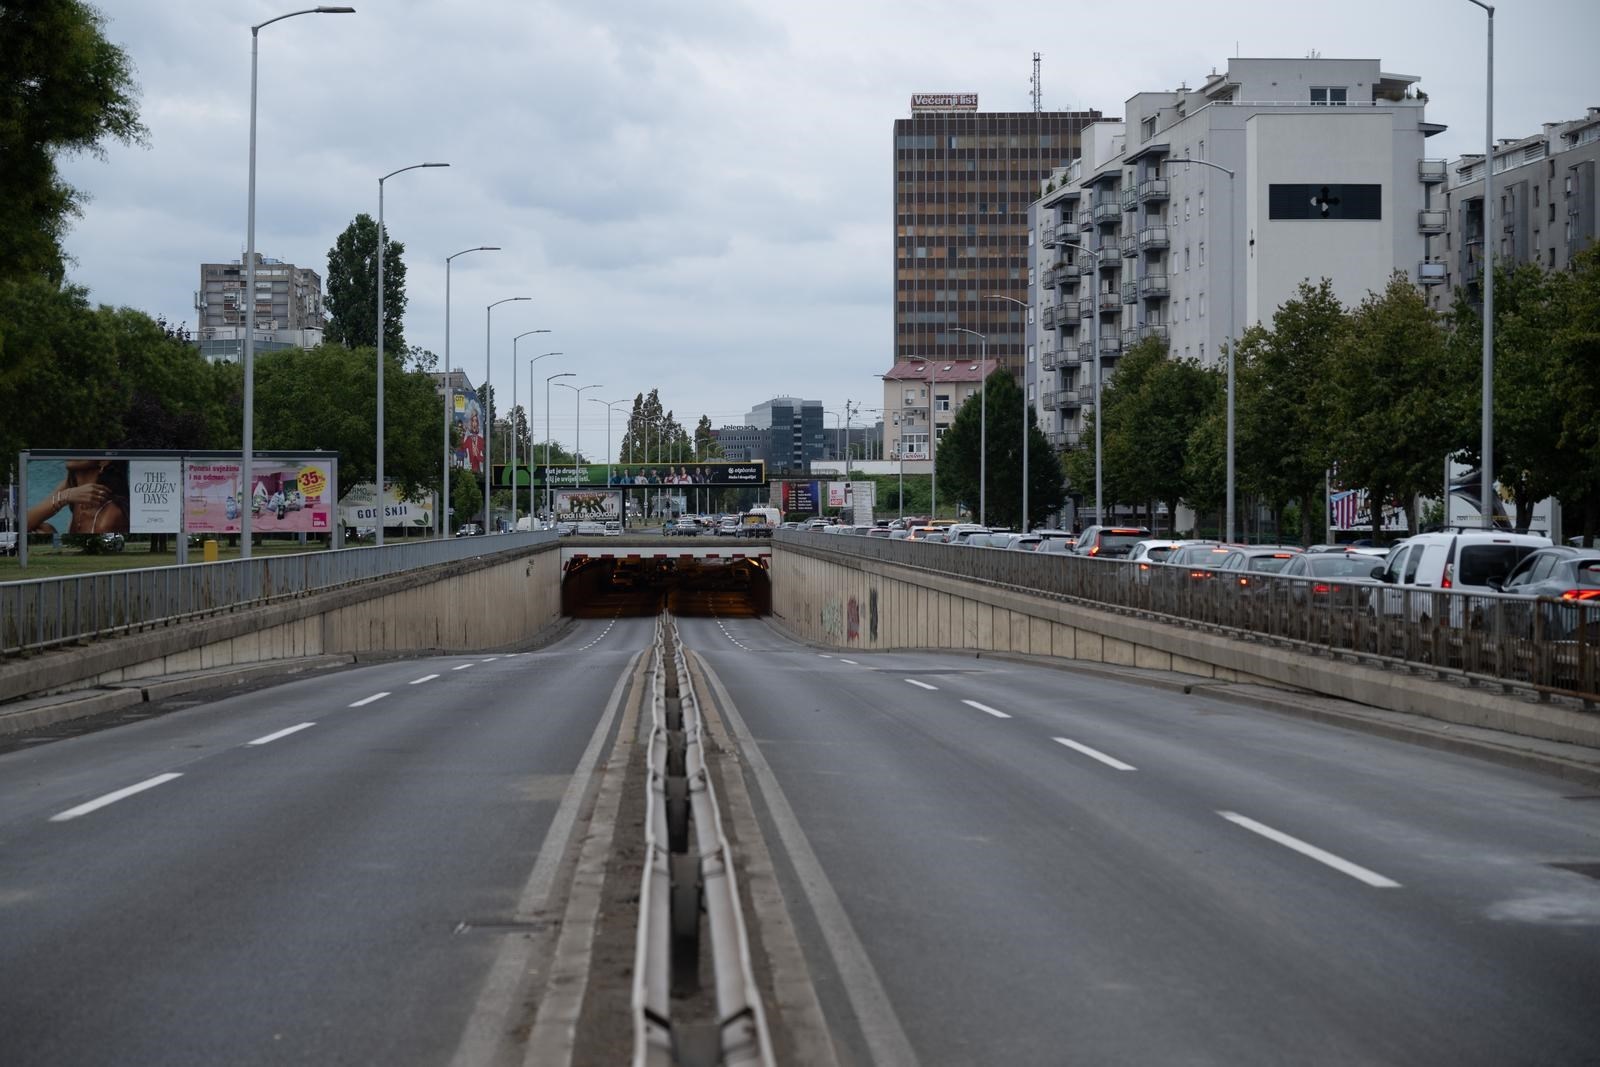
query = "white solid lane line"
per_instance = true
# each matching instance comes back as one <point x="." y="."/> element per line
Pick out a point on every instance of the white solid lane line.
<point x="1343" y="866"/>
<point x="462" y="667"/>
<point x="824" y="655"/>
<point x="424" y="678"/>
<point x="112" y="798"/>
<point x="282" y="733"/>
<point x="368" y="700"/>
<point x="1094" y="754"/>
<point x="986" y="709"/>
<point x="852" y="662"/>
<point x="920" y="685"/>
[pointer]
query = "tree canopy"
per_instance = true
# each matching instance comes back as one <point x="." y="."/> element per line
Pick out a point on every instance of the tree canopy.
<point x="1000" y="404"/>
<point x="352" y="284"/>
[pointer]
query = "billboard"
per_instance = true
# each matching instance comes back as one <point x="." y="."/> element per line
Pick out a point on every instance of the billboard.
<point x="714" y="475"/>
<point x="589" y="505"/>
<point x="944" y="101"/>
<point x="359" y="508"/>
<point x="467" y="412"/>
<point x="103" y="494"/>
<point x="799" y="497"/>
<point x="287" y="496"/>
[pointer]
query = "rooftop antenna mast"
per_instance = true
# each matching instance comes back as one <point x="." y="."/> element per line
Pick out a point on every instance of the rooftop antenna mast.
<point x="1038" y="89"/>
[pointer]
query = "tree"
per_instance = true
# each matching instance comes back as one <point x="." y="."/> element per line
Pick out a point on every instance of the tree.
<point x="352" y="299"/>
<point x="59" y="381"/>
<point x="959" y="452"/>
<point x="63" y="88"/>
<point x="465" y="497"/>
<point x="1575" y="352"/>
<point x="1396" y="410"/>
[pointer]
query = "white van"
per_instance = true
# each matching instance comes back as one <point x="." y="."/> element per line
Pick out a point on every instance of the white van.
<point x="1464" y="560"/>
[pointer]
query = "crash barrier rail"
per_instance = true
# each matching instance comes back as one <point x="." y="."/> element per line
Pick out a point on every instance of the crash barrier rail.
<point x="680" y="883"/>
<point x="1550" y="647"/>
<point x="38" y="613"/>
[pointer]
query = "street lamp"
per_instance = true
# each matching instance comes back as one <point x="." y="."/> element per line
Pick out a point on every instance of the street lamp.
<point x="577" y="429"/>
<point x="1027" y="405"/>
<point x="983" y="421"/>
<point x="1486" y="467"/>
<point x="608" y="405"/>
<point x="531" y="361"/>
<point x="449" y="390"/>
<point x="488" y="406"/>
<point x="247" y="454"/>
<point x="513" y="428"/>
<point x="1233" y="301"/>
<point x="1094" y="341"/>
<point x="549" y="483"/>
<point x="386" y="177"/>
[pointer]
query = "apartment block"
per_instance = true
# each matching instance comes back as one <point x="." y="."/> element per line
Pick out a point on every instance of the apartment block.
<point x="918" y="395"/>
<point x="1203" y="210"/>
<point x="1545" y="205"/>
<point x="285" y="311"/>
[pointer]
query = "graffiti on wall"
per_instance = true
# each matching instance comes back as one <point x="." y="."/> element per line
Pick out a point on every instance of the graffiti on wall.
<point x="853" y="620"/>
<point x="832" y="618"/>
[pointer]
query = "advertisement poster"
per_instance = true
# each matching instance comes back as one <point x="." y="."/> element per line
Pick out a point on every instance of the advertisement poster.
<point x="155" y="495"/>
<point x="468" y="415"/>
<point x="800" y="497"/>
<point x="589" y="505"/>
<point x="286" y="497"/>
<point x="716" y="475"/>
<point x="358" y="509"/>
<point x="837" y="496"/>
<point x="77" y="496"/>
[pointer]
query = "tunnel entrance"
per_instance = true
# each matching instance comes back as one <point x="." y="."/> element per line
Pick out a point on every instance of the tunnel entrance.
<point x="595" y="587"/>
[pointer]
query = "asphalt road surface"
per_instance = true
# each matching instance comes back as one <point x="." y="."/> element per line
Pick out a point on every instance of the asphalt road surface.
<point x="992" y="862"/>
<point x="322" y="872"/>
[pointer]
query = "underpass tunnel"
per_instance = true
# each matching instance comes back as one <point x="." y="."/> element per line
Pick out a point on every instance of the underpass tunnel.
<point x="595" y="588"/>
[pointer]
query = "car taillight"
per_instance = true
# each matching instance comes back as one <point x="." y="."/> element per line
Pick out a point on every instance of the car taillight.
<point x="1095" y="551"/>
<point x="1144" y="566"/>
<point x="1581" y="594"/>
<point x="1321" y="589"/>
<point x="1244" y="581"/>
<point x="1449" y="573"/>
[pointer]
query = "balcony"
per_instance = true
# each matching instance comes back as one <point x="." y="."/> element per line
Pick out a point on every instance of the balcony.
<point x="1154" y="287"/>
<point x="1110" y="345"/>
<point x="1432" y="171"/>
<point x="1067" y="358"/>
<point x="1110" y="256"/>
<point x="1130" y="198"/>
<point x="1047" y="317"/>
<point x="1085" y="353"/>
<point x="1430" y="273"/>
<point x="1068" y="313"/>
<point x="1066" y="230"/>
<point x="1130" y="292"/>
<point x="1431" y="222"/>
<point x="1049" y="399"/>
<point x="1047" y="277"/>
<point x="1068" y="400"/>
<point x="1130" y="246"/>
<point x="1047" y="235"/>
<point x="1153" y="329"/>
<point x="1130" y="337"/>
<point x="1108" y="211"/>
<point x="1071" y="438"/>
<point x="1154" y="238"/>
<point x="1152" y="189"/>
<point x="1085" y="219"/>
<point x="1110" y="301"/>
<point x="1085" y="263"/>
<point x="1048" y="358"/>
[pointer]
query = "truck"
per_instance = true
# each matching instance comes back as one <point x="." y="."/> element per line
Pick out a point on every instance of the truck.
<point x="759" y="522"/>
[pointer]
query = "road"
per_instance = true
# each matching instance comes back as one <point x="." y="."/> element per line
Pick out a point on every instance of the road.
<point x="993" y="862"/>
<point x="319" y="872"/>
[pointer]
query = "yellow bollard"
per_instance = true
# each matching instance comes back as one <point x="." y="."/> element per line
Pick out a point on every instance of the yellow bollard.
<point x="210" y="548"/>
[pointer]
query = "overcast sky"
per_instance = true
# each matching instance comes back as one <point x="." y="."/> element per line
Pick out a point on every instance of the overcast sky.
<point x="697" y="194"/>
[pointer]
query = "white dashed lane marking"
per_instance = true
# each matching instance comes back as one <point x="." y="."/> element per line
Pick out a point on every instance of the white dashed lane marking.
<point x="986" y="709"/>
<point x="461" y="667"/>
<point x="919" y="685"/>
<point x="601" y="636"/>
<point x="368" y="700"/>
<point x="424" y="678"/>
<point x="1343" y="866"/>
<point x="1094" y="754"/>
<point x="267" y="740"/>
<point x="111" y="798"/>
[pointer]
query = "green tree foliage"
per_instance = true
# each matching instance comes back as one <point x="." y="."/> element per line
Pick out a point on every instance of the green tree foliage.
<point x="326" y="398"/>
<point x="352" y="282"/>
<point x="706" y="447"/>
<point x="63" y="88"/>
<point x="1575" y="352"/>
<point x="959" y="454"/>
<point x="1396" y="407"/>
<point x="466" y="497"/>
<point x="654" y="435"/>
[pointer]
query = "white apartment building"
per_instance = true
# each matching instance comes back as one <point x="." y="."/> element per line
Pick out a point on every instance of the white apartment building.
<point x="1328" y="180"/>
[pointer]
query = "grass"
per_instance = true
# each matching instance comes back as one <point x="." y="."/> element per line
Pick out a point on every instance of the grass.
<point x="47" y="562"/>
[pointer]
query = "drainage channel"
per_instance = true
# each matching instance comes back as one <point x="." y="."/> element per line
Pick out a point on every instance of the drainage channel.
<point x="688" y="898"/>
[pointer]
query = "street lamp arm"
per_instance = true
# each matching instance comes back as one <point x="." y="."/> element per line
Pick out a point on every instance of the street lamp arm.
<point x="478" y="248"/>
<point x="414" y="166"/>
<point x="258" y="27"/>
<point x="1207" y="162"/>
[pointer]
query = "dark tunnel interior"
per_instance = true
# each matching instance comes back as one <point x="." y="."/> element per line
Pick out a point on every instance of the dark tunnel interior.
<point x="594" y="588"/>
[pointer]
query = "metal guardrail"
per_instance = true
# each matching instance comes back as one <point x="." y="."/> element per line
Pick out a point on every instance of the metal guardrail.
<point x="1547" y="646"/>
<point x="680" y="883"/>
<point x="39" y="613"/>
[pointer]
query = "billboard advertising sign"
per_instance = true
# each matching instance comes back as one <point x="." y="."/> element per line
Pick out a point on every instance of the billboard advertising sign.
<point x="589" y="505"/>
<point x="467" y="412"/>
<point x="359" y="508"/>
<point x="155" y="495"/>
<point x="287" y="497"/>
<point x="78" y="495"/>
<point x="715" y="475"/>
<point x="944" y="101"/>
<point x="800" y="497"/>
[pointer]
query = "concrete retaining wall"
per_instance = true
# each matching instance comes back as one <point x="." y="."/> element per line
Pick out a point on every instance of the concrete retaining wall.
<point x="465" y="605"/>
<point x="842" y="600"/>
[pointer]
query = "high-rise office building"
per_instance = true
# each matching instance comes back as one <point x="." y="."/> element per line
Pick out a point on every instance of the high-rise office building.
<point x="285" y="310"/>
<point x="962" y="185"/>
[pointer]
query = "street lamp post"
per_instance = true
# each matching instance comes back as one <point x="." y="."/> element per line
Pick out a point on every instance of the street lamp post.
<point x="488" y="407"/>
<point x="549" y="484"/>
<point x="531" y="361"/>
<point x="513" y="428"/>
<point x="247" y="454"/>
<point x="449" y="390"/>
<point x="1486" y="467"/>
<point x="1094" y="342"/>
<point x="608" y="405"/>
<point x="415" y="166"/>
<point x="1027" y="405"/>
<point x="1233" y="302"/>
<point x="577" y="427"/>
<point x="983" y="422"/>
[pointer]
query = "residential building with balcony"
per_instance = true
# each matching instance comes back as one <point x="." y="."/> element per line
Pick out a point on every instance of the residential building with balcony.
<point x="1329" y="179"/>
<point x="1546" y="199"/>
<point x="286" y="311"/>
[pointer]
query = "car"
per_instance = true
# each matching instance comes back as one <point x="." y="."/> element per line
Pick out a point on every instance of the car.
<point x="1114" y="542"/>
<point x="728" y="528"/>
<point x="1568" y="578"/>
<point x="1325" y="569"/>
<point x="469" y="529"/>
<point x="8" y="542"/>
<point x="1258" y="559"/>
<point x="1202" y="559"/>
<point x="613" y="529"/>
<point x="879" y="531"/>
<point x="1462" y="560"/>
<point x="589" y="529"/>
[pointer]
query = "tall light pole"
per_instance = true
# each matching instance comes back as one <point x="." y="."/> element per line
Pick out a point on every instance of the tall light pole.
<point x="933" y="439"/>
<point x="449" y="390"/>
<point x="608" y="405"/>
<point x="247" y="455"/>
<point x="415" y="166"/>
<point x="1486" y="467"/>
<point x="1094" y="342"/>
<point x="983" y="421"/>
<point x="488" y="406"/>
<point x="1027" y="405"/>
<point x="531" y="361"/>
<point x="577" y="429"/>
<point x="1233" y="302"/>
<point x="513" y="428"/>
<point x="549" y="483"/>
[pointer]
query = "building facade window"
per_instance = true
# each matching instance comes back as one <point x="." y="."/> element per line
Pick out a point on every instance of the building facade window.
<point x="1202" y="253"/>
<point x="1328" y="95"/>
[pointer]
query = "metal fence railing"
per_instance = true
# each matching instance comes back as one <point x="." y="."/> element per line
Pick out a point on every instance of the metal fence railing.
<point x="1549" y="646"/>
<point x="42" y="612"/>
